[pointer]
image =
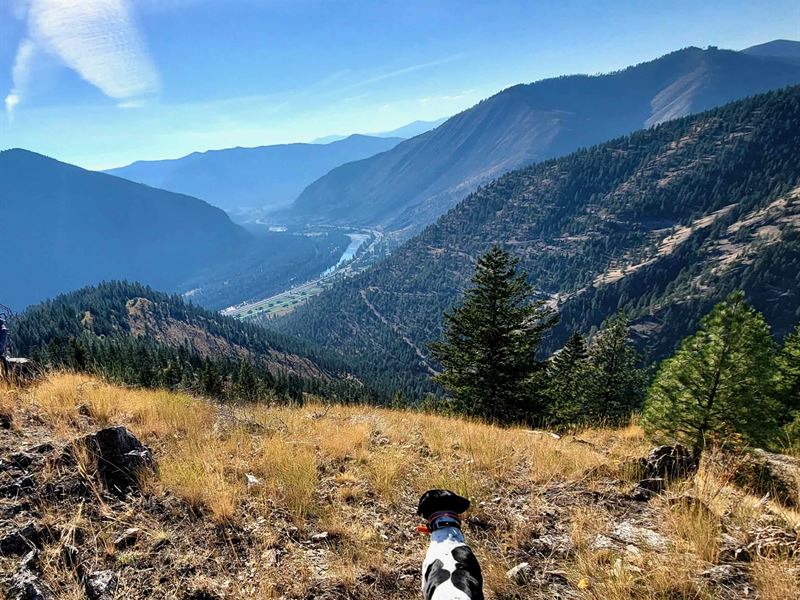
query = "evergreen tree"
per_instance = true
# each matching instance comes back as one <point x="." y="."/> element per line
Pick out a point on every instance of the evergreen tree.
<point x="210" y="380"/>
<point x="617" y="383"/>
<point x="490" y="342"/>
<point x="568" y="383"/>
<point x="247" y="386"/>
<point x="718" y="381"/>
<point x="788" y="362"/>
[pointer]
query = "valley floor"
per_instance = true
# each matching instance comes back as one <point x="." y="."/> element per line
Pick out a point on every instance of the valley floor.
<point x="318" y="502"/>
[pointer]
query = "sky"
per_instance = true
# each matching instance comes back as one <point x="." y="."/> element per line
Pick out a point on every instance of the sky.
<point x="102" y="83"/>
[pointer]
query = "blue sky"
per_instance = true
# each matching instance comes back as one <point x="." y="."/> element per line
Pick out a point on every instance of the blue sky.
<point x="101" y="83"/>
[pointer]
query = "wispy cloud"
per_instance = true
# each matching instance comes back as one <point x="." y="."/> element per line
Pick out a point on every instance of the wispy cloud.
<point x="404" y="71"/>
<point x="98" y="39"/>
<point x="447" y="97"/>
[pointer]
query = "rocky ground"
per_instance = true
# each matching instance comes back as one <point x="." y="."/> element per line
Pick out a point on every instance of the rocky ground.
<point x="87" y="510"/>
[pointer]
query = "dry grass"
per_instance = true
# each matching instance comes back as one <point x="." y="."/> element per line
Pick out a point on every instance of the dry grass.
<point x="357" y="472"/>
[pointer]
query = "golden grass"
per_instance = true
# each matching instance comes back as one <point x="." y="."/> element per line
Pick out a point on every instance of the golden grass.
<point x="348" y="470"/>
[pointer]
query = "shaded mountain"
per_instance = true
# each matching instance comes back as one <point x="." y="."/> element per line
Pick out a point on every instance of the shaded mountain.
<point x="418" y="180"/>
<point x="787" y="49"/>
<point x="268" y="177"/>
<point x="661" y="224"/>
<point x="138" y="335"/>
<point x="65" y="227"/>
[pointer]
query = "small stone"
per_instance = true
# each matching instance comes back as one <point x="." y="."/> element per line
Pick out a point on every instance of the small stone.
<point x="18" y="487"/>
<point x="20" y="541"/>
<point x="101" y="585"/>
<point x="520" y="574"/>
<point x="641" y="494"/>
<point x="128" y="537"/>
<point x="26" y="585"/>
<point x="725" y="575"/>
<point x="21" y="460"/>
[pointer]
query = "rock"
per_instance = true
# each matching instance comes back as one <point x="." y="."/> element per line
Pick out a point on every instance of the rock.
<point x="121" y="458"/>
<point x="20" y="541"/>
<point x="641" y="494"/>
<point x="725" y="575"/>
<point x="763" y="473"/>
<point x="640" y="536"/>
<point x="18" y="487"/>
<point x="100" y="585"/>
<point x="21" y="460"/>
<point x="670" y="462"/>
<point x="520" y="574"/>
<point x="26" y="585"/>
<point x="320" y="537"/>
<point x="128" y="537"/>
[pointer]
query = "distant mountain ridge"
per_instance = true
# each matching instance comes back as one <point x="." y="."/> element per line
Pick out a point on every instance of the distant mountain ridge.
<point x="421" y="178"/>
<point x="661" y="224"/>
<point x="406" y="131"/>
<point x="236" y="179"/>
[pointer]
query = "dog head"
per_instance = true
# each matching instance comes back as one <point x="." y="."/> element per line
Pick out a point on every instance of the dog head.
<point x="435" y="501"/>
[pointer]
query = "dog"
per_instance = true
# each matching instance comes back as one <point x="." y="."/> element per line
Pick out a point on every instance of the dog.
<point x="450" y="570"/>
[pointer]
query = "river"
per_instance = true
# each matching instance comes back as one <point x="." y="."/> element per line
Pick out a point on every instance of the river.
<point x="356" y="241"/>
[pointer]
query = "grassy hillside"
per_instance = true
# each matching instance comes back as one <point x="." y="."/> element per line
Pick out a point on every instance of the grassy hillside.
<point x="411" y="185"/>
<point x="661" y="224"/>
<point x="332" y="512"/>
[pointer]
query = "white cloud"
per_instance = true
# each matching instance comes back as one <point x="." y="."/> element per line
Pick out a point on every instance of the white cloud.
<point x="21" y="73"/>
<point x="98" y="39"/>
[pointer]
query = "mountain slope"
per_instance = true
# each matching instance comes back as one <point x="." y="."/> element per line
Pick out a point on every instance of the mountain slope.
<point x="417" y="181"/>
<point x="262" y="177"/>
<point x="662" y="224"/>
<point x="65" y="227"/>
<point x="141" y="326"/>
<point x="787" y="49"/>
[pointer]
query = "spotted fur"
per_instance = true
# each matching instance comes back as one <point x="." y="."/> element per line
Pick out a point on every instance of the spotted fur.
<point x="450" y="570"/>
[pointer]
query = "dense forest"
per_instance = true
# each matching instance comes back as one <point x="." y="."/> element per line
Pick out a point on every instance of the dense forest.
<point x="132" y="334"/>
<point x="661" y="225"/>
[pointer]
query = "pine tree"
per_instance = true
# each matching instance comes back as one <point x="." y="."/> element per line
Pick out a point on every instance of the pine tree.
<point x="617" y="382"/>
<point x="788" y="362"/>
<point x="490" y="343"/>
<point x="718" y="381"/>
<point x="246" y="386"/>
<point x="568" y="383"/>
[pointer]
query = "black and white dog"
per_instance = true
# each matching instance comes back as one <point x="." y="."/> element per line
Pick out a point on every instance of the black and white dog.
<point x="450" y="570"/>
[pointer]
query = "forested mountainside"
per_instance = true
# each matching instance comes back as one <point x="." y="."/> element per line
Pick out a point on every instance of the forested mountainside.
<point x="64" y="227"/>
<point x="137" y="335"/>
<point x="420" y="179"/>
<point x="245" y="178"/>
<point x="660" y="224"/>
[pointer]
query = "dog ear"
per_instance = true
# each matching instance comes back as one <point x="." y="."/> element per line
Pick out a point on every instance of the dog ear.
<point x="434" y="501"/>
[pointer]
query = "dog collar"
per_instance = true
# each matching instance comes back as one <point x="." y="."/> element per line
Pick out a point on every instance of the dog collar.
<point x="439" y="520"/>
